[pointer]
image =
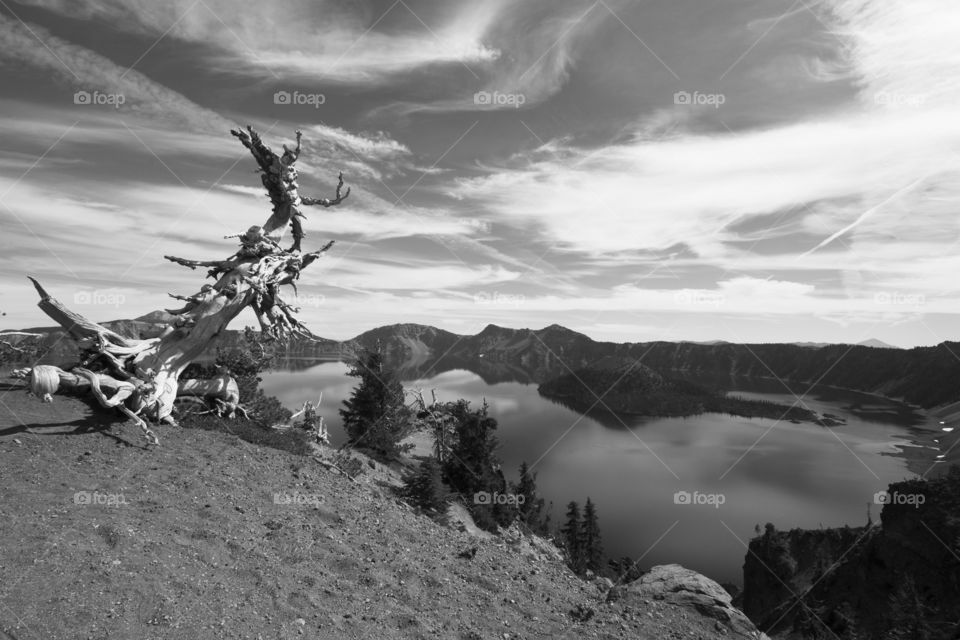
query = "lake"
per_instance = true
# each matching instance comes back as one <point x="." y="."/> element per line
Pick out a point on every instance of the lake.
<point x="738" y="472"/>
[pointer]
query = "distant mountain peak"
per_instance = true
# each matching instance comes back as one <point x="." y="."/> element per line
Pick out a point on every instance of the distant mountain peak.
<point x="877" y="344"/>
<point x="493" y="328"/>
<point x="159" y="315"/>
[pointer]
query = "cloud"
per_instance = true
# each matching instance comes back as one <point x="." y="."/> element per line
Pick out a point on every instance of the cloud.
<point x="870" y="188"/>
<point x="375" y="155"/>
<point x="690" y="189"/>
<point x="318" y="40"/>
<point x="903" y="55"/>
<point x="540" y="41"/>
<point x="95" y="74"/>
<point x="415" y="276"/>
<point x="89" y="136"/>
<point x="161" y="119"/>
<point x="524" y="51"/>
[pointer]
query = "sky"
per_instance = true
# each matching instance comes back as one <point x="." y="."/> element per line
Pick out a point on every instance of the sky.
<point x="741" y="170"/>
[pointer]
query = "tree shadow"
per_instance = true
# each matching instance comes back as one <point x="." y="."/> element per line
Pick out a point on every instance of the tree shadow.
<point x="6" y="385"/>
<point x="98" y="420"/>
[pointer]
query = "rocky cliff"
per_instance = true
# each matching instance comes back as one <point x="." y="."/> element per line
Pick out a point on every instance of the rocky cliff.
<point x="899" y="576"/>
<point x="212" y="537"/>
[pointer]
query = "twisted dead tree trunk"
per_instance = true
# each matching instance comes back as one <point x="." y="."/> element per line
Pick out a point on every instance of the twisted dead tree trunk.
<point x="251" y="277"/>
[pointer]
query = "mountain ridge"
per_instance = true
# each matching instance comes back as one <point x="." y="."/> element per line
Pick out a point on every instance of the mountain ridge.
<point x="919" y="376"/>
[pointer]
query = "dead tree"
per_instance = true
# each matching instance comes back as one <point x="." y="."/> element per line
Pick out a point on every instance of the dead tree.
<point x="251" y="277"/>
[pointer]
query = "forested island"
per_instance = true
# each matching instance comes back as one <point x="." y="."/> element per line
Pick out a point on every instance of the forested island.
<point x="625" y="386"/>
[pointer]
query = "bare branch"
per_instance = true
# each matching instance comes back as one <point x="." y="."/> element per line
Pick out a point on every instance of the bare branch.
<point x="329" y="202"/>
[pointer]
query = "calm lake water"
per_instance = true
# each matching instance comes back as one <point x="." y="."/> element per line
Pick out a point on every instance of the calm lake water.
<point x="793" y="475"/>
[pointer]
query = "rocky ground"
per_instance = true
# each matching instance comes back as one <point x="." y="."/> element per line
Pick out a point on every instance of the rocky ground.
<point x="208" y="536"/>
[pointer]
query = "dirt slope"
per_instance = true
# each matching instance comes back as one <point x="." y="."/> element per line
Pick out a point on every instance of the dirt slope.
<point x="102" y="538"/>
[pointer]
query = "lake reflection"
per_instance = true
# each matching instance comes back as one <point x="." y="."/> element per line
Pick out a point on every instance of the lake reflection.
<point x="793" y="475"/>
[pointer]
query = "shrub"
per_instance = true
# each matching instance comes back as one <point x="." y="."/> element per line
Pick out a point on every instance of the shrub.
<point x="424" y="488"/>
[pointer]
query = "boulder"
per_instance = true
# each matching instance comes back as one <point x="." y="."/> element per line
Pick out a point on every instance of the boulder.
<point x="676" y="585"/>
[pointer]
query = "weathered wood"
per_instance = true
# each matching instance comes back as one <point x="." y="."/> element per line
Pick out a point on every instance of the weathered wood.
<point x="251" y="277"/>
<point x="79" y="328"/>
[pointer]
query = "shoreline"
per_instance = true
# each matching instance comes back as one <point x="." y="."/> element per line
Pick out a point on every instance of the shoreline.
<point x="919" y="453"/>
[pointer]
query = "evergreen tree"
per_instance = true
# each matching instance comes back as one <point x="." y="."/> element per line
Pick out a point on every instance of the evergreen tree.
<point x="590" y="544"/>
<point x="570" y="535"/>
<point x="424" y="487"/>
<point x="473" y="470"/>
<point x="532" y="512"/>
<point x="375" y="416"/>
<point x="909" y="615"/>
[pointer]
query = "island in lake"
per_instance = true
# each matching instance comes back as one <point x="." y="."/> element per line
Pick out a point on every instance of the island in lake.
<point x="625" y="386"/>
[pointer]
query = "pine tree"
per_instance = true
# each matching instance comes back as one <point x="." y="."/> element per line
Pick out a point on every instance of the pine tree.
<point x="424" y="487"/>
<point x="570" y="534"/>
<point x="909" y="615"/>
<point x="375" y="416"/>
<point x="473" y="468"/>
<point x="591" y="545"/>
<point x="532" y="512"/>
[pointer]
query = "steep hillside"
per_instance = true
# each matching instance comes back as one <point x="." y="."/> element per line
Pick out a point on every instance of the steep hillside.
<point x="210" y="537"/>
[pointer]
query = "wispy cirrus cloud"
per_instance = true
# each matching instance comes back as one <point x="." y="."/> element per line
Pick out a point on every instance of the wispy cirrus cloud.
<point x="540" y="41"/>
<point x="369" y="43"/>
<point x="521" y="49"/>
<point x="83" y="69"/>
<point x="875" y="179"/>
<point x="165" y="120"/>
<point x="689" y="189"/>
